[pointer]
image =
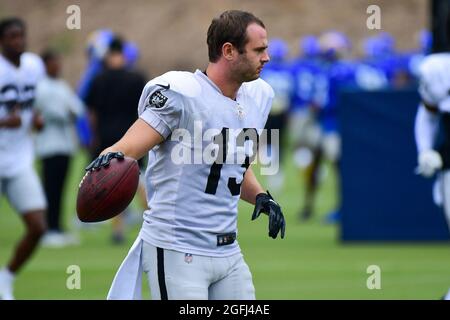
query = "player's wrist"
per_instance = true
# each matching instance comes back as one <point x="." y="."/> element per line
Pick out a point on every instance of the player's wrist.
<point x="261" y="195"/>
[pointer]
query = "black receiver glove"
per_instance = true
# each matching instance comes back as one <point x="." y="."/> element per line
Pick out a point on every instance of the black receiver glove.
<point x="266" y="204"/>
<point x="103" y="160"/>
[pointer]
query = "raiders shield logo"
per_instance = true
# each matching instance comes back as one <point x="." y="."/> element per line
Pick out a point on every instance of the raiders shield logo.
<point x="157" y="100"/>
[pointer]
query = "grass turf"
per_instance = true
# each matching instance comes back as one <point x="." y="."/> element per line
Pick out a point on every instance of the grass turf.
<point x="310" y="263"/>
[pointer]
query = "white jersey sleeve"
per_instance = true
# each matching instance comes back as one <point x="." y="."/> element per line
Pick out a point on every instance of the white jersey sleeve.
<point x="32" y="61"/>
<point x="426" y="127"/>
<point x="435" y="80"/>
<point x="161" y="109"/>
<point x="162" y="104"/>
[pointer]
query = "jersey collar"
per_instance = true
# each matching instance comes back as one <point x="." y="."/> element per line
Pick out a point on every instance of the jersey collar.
<point x="205" y="78"/>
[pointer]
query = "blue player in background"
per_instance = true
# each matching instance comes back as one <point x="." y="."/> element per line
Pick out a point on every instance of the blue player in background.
<point x="310" y="90"/>
<point x="345" y="74"/>
<point x="318" y="79"/>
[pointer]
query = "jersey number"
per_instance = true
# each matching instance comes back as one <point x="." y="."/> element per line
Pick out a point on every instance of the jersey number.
<point x="222" y="141"/>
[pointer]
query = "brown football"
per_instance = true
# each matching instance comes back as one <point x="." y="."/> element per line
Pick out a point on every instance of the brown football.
<point x="104" y="193"/>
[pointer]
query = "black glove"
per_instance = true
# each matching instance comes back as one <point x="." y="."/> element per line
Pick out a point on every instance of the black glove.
<point x="266" y="204"/>
<point x="103" y="160"/>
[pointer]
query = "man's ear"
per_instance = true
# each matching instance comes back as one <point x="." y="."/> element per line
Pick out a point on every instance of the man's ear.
<point x="228" y="51"/>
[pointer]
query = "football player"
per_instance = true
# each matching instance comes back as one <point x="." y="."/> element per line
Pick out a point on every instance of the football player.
<point x="310" y="87"/>
<point x="187" y="244"/>
<point x="432" y="127"/>
<point x="19" y="73"/>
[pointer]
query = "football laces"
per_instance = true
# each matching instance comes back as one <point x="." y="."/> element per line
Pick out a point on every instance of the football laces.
<point x="84" y="177"/>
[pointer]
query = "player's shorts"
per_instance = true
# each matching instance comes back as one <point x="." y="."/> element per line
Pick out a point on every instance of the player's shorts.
<point x="175" y="275"/>
<point x="305" y="129"/>
<point x="24" y="191"/>
<point x="331" y="146"/>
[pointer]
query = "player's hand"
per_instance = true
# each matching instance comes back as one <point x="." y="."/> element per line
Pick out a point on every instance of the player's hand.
<point x="38" y="122"/>
<point x="266" y="204"/>
<point x="429" y="162"/>
<point x="103" y="160"/>
<point x="12" y="121"/>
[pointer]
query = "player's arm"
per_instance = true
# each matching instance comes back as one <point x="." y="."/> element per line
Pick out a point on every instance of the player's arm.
<point x="13" y="120"/>
<point x="137" y="141"/>
<point x="250" y="187"/>
<point x="38" y="121"/>
<point x="426" y="127"/>
<point x="159" y="114"/>
<point x="432" y="89"/>
<point x="252" y="192"/>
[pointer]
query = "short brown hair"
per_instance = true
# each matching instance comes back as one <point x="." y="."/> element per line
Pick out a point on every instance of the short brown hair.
<point x="230" y="26"/>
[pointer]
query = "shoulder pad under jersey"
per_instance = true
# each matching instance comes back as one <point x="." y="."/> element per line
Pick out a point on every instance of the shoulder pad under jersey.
<point x="32" y="61"/>
<point x="433" y="63"/>
<point x="181" y="82"/>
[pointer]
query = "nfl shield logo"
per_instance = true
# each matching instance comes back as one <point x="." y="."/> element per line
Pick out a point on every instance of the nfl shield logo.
<point x="188" y="258"/>
<point x="240" y="112"/>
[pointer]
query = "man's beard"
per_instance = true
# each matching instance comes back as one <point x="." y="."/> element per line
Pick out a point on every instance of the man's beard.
<point x="247" y="75"/>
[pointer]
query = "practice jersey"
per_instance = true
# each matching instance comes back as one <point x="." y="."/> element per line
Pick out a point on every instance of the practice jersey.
<point x="310" y="84"/>
<point x="339" y="75"/>
<point x="17" y="88"/>
<point x="193" y="200"/>
<point x="435" y="81"/>
<point x="434" y="89"/>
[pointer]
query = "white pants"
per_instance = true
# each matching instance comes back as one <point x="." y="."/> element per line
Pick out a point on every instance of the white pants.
<point x="180" y="276"/>
<point x="24" y="191"/>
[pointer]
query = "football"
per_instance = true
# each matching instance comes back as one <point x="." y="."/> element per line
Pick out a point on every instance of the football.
<point x="104" y="193"/>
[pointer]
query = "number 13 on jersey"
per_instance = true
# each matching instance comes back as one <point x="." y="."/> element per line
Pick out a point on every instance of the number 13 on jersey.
<point x="245" y="137"/>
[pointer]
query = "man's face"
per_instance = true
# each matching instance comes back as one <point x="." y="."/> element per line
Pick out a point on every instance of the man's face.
<point x="249" y="64"/>
<point x="13" y="40"/>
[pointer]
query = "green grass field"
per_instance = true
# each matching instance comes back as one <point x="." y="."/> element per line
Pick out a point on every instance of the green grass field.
<point x="310" y="263"/>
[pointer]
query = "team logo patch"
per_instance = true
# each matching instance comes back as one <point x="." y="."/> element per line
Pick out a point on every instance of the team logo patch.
<point x="157" y="99"/>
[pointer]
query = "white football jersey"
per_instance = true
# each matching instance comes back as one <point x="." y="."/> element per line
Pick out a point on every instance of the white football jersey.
<point x="193" y="201"/>
<point x="434" y="86"/>
<point x="17" y="86"/>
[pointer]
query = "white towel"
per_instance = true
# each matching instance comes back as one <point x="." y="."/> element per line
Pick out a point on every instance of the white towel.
<point x="127" y="284"/>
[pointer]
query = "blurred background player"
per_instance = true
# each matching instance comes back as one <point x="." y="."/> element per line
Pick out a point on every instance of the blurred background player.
<point x="278" y="75"/>
<point x="309" y="83"/>
<point x="334" y="71"/>
<point x="108" y="99"/>
<point x="60" y="107"/>
<point x="20" y="72"/>
<point x="339" y="73"/>
<point x="330" y="72"/>
<point x="96" y="49"/>
<point x="432" y="127"/>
